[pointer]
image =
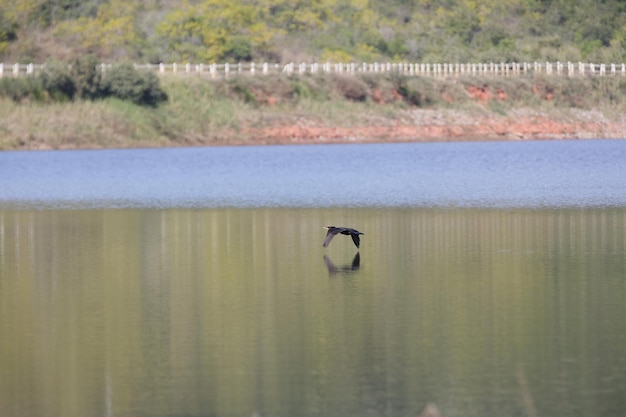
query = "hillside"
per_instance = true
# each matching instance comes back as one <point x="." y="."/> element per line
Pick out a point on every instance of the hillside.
<point x="304" y="31"/>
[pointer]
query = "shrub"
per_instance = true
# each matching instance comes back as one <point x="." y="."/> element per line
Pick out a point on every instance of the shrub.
<point x="420" y="92"/>
<point x="86" y="76"/>
<point x="301" y="89"/>
<point x="352" y="88"/>
<point x="57" y="81"/>
<point x="126" y="83"/>
<point x="20" y="89"/>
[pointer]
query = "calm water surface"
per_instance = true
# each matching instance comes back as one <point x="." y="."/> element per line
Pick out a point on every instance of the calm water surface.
<point x="503" y="174"/>
<point x="491" y="281"/>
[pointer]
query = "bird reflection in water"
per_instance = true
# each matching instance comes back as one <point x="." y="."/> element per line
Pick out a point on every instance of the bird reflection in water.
<point x="343" y="269"/>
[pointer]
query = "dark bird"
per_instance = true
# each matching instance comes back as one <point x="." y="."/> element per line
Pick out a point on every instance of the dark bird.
<point x="334" y="231"/>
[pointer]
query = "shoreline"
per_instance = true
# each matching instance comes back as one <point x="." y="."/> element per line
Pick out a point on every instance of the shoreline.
<point x="481" y="131"/>
<point x="201" y="113"/>
<point x="431" y="125"/>
<point x="484" y="131"/>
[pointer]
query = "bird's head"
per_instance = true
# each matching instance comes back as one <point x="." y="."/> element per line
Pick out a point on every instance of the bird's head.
<point x="328" y="227"/>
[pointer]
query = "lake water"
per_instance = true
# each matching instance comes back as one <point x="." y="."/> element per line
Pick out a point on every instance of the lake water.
<point x="491" y="281"/>
<point x="492" y="174"/>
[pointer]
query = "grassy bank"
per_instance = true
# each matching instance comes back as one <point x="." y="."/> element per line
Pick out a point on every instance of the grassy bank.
<point x="200" y="111"/>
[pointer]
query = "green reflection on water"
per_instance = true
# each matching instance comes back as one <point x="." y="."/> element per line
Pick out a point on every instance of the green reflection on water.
<point x="236" y="312"/>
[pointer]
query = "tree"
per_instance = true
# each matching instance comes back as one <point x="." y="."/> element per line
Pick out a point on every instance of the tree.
<point x="216" y="30"/>
<point x="8" y="32"/>
<point x="111" y="33"/>
<point x="86" y="77"/>
<point x="302" y="15"/>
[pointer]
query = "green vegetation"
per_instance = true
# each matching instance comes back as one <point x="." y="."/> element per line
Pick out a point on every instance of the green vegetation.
<point x="337" y="30"/>
<point x="201" y="111"/>
<point x="84" y="80"/>
<point x="73" y="103"/>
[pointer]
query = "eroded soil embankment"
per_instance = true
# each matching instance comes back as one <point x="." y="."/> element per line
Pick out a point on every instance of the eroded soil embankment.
<point x="484" y="128"/>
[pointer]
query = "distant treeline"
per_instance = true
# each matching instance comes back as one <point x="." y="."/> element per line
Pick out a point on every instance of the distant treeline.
<point x="154" y="31"/>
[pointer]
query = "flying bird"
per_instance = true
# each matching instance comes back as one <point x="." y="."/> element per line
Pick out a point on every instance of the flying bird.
<point x="334" y="231"/>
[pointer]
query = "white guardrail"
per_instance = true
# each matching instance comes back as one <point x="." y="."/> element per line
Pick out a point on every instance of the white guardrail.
<point x="567" y="69"/>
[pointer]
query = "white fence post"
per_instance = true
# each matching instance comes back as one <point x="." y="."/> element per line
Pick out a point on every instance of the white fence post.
<point x="505" y="69"/>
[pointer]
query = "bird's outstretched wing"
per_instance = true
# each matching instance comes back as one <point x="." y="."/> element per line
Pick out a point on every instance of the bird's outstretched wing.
<point x="329" y="236"/>
<point x="356" y="240"/>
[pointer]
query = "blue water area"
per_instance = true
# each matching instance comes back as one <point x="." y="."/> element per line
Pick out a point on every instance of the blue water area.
<point x="589" y="173"/>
